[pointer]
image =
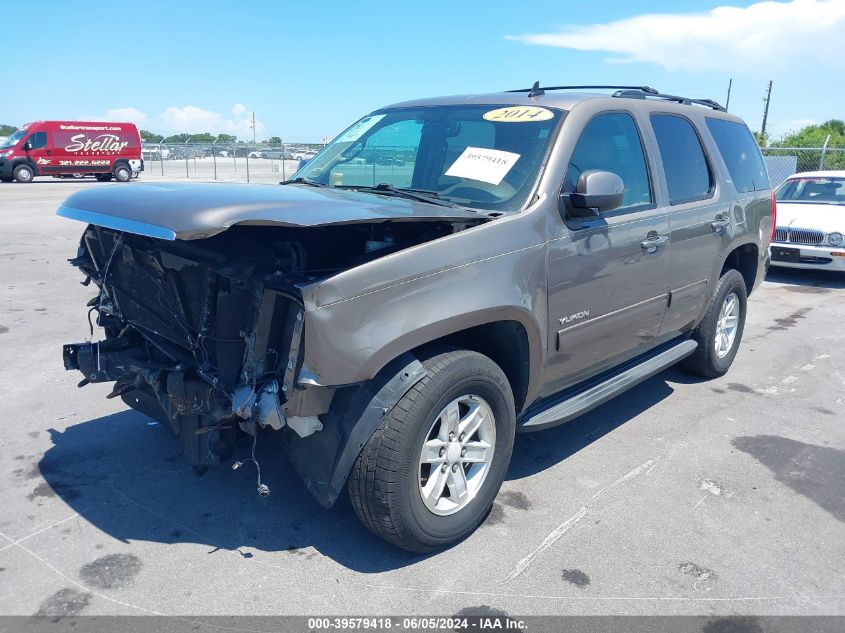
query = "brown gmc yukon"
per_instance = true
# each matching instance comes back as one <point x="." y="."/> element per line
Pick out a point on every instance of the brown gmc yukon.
<point x="443" y="274"/>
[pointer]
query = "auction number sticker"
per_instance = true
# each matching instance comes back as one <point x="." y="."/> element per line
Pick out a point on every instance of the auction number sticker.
<point x="360" y="128"/>
<point x="518" y="114"/>
<point x="486" y="165"/>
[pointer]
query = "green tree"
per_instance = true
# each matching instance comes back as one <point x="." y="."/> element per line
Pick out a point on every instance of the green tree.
<point x="177" y="138"/>
<point x="205" y="137"/>
<point x="227" y="138"/>
<point x="150" y="137"/>
<point x="7" y="130"/>
<point x="274" y="140"/>
<point x="814" y="136"/>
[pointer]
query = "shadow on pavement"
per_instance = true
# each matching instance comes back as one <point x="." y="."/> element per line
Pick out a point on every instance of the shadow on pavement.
<point x="125" y="475"/>
<point x="806" y="280"/>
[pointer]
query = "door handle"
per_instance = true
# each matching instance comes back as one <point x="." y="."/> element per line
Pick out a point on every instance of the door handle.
<point x="651" y="243"/>
<point x="720" y="223"/>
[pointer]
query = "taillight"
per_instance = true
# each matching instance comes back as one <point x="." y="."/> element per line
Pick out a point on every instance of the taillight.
<point x="774" y="216"/>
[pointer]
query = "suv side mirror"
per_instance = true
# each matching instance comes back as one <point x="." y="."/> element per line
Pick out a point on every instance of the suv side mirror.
<point x="596" y="191"/>
<point x="27" y="146"/>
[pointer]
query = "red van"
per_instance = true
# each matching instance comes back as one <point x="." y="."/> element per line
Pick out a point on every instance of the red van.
<point x="57" y="148"/>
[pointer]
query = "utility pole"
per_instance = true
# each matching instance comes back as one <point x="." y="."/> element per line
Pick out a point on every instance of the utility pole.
<point x="766" y="112"/>
<point x="728" y="101"/>
<point x="253" y="120"/>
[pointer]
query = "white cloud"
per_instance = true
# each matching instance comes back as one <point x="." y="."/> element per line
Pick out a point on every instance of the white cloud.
<point x="763" y="36"/>
<point x="193" y="119"/>
<point x="779" y="129"/>
<point x="132" y="115"/>
<point x="190" y="119"/>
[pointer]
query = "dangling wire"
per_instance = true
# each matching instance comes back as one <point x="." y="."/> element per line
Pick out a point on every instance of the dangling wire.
<point x="263" y="489"/>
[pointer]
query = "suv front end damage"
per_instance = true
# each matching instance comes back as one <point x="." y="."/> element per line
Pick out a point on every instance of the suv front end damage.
<point x="201" y="341"/>
<point x="205" y="329"/>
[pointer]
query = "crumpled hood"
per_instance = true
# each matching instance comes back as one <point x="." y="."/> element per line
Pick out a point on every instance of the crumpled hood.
<point x="187" y="211"/>
<point x="822" y="217"/>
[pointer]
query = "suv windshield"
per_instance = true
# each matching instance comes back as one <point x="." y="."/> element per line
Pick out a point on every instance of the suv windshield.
<point x="13" y="139"/>
<point x="488" y="157"/>
<point x="821" y="190"/>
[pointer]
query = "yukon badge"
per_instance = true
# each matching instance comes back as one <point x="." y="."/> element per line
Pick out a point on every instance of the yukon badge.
<point x="574" y="317"/>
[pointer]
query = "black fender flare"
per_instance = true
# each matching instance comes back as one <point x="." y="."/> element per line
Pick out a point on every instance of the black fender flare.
<point x="24" y="160"/>
<point x="324" y="459"/>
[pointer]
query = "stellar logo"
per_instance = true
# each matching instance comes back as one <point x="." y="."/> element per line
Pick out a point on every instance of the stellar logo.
<point x="101" y="143"/>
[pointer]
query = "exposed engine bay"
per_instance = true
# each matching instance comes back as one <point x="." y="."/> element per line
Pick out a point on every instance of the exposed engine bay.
<point x="206" y="335"/>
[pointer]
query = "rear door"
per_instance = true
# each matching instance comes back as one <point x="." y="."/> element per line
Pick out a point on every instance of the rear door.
<point x="607" y="276"/>
<point x="699" y="220"/>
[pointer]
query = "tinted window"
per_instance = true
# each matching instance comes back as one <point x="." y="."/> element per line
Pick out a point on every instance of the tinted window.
<point x="821" y="190"/>
<point x="38" y="140"/>
<point x="741" y="154"/>
<point x="688" y="175"/>
<point x="611" y="142"/>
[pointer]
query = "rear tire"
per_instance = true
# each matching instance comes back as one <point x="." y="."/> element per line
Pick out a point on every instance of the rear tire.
<point x="404" y="459"/>
<point x="122" y="173"/>
<point x="23" y="173"/>
<point x="720" y="331"/>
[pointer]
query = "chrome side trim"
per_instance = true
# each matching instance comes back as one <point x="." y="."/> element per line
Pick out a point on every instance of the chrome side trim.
<point x="664" y="297"/>
<point x="118" y="224"/>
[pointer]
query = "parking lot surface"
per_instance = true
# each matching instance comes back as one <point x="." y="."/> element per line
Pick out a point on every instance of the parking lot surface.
<point x="682" y="496"/>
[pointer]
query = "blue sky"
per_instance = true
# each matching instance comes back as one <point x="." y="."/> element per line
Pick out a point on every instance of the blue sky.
<point x="309" y="69"/>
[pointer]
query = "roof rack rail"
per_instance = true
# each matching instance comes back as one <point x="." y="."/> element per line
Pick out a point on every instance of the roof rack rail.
<point x="629" y="92"/>
<point x="536" y="90"/>
<point x="634" y="93"/>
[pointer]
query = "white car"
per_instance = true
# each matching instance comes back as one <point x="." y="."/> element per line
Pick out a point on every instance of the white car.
<point x="811" y="222"/>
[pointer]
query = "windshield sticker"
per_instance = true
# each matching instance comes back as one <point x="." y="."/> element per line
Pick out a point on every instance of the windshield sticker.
<point x="518" y="114"/>
<point x="486" y="165"/>
<point x="359" y="129"/>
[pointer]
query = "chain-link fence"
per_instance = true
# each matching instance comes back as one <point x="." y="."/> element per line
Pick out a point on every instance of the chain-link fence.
<point x="230" y="162"/>
<point x="782" y="162"/>
<point x="269" y="164"/>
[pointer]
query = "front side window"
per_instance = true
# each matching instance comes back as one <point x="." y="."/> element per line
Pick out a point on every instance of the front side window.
<point x="611" y="142"/>
<point x="478" y="156"/>
<point x="38" y="140"/>
<point x="741" y="154"/>
<point x="688" y="176"/>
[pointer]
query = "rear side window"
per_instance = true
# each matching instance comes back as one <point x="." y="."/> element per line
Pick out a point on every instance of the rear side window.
<point x="741" y="155"/>
<point x="38" y="140"/>
<point x="688" y="176"/>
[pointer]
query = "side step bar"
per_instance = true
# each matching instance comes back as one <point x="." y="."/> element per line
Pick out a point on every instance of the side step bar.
<point x="583" y="401"/>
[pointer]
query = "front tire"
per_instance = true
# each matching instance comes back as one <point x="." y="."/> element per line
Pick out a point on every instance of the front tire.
<point x="429" y="474"/>
<point x="720" y="331"/>
<point x="23" y="173"/>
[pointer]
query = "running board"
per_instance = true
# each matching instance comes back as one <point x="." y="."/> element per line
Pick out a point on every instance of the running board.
<point x="583" y="401"/>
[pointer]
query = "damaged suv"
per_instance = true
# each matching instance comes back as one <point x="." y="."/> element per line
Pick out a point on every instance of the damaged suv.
<point x="511" y="261"/>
